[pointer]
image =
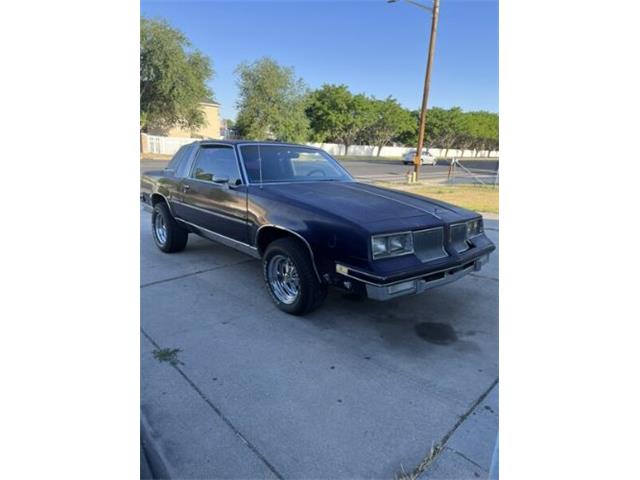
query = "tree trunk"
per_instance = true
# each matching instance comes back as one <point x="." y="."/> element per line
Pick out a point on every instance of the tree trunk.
<point x="380" y="149"/>
<point x="346" y="149"/>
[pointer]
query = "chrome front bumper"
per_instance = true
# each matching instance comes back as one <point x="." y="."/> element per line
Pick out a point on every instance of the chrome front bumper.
<point x="419" y="285"/>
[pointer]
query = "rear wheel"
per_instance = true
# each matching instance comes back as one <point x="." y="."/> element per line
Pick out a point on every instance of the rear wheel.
<point x="167" y="234"/>
<point x="290" y="277"/>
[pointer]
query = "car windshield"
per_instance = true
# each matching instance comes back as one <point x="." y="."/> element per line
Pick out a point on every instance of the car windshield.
<point x="289" y="163"/>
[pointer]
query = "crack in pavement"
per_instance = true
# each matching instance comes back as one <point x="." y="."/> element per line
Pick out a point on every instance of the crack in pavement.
<point x="440" y="446"/>
<point x="222" y="416"/>
<point x="178" y="277"/>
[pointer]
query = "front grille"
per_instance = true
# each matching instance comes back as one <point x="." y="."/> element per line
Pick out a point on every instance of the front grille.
<point x="428" y="244"/>
<point x="458" y="235"/>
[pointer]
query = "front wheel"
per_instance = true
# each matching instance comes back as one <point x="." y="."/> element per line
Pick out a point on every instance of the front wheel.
<point x="290" y="277"/>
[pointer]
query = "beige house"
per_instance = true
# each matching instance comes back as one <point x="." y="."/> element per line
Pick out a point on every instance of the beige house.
<point x="211" y="128"/>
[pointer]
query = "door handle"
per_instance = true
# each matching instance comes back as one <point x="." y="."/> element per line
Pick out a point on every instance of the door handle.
<point x="185" y="188"/>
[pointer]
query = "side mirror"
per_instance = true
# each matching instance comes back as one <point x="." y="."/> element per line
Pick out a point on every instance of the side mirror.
<point x="207" y="177"/>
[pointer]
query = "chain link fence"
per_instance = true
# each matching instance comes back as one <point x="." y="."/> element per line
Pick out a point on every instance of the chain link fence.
<point x="461" y="171"/>
<point x="474" y="172"/>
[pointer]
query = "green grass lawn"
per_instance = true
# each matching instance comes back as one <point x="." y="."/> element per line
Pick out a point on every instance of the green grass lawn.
<point x="480" y="198"/>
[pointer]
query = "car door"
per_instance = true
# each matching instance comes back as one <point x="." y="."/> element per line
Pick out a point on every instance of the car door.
<point x="212" y="195"/>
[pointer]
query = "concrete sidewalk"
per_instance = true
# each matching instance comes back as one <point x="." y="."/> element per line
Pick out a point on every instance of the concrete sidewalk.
<point x="356" y="389"/>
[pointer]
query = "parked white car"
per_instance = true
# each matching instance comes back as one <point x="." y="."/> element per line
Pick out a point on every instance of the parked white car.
<point x="427" y="158"/>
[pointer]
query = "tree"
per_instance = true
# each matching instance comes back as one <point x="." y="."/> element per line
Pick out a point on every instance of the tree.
<point x="173" y="78"/>
<point x="336" y="115"/>
<point x="483" y="130"/>
<point x="388" y="120"/>
<point x="410" y="136"/>
<point x="444" y="128"/>
<point x="453" y="128"/>
<point x="271" y="102"/>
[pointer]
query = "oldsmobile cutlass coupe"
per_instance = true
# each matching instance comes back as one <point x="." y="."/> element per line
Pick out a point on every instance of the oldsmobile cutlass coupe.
<point x="311" y="223"/>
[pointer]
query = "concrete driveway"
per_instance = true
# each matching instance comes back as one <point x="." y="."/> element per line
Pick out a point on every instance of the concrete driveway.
<point x="357" y="389"/>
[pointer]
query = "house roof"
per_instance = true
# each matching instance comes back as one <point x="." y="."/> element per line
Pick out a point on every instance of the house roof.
<point x="210" y="102"/>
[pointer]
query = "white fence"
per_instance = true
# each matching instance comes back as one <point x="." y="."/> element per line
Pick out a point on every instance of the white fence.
<point x="164" y="145"/>
<point x="170" y="145"/>
<point x="388" y="151"/>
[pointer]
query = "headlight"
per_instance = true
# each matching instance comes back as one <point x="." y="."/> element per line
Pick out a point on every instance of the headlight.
<point x="391" y="245"/>
<point x="474" y="227"/>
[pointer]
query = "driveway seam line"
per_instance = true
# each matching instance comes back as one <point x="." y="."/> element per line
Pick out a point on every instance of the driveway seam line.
<point x="440" y="446"/>
<point x="466" y="458"/>
<point x="218" y="267"/>
<point x="446" y="438"/>
<point x="222" y="416"/>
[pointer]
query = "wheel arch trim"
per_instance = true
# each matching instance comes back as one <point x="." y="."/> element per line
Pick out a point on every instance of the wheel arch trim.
<point x="166" y="200"/>
<point x="295" y="234"/>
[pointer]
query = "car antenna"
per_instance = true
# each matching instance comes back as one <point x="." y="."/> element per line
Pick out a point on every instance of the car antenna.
<point x="260" y="165"/>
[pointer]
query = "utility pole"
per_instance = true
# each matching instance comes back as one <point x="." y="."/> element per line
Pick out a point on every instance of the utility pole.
<point x="417" y="161"/>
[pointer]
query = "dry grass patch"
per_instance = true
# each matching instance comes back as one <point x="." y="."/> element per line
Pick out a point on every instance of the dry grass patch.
<point x="155" y="156"/>
<point x="365" y="158"/>
<point x="479" y="198"/>
<point x="419" y="470"/>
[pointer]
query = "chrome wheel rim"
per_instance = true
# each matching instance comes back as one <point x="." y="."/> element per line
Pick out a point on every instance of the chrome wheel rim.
<point x="160" y="229"/>
<point x="283" y="279"/>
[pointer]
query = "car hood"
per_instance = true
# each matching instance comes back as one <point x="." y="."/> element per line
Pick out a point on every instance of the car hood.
<point x="367" y="204"/>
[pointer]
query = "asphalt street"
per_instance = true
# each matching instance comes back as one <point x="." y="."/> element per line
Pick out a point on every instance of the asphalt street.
<point x="231" y="387"/>
<point x="393" y="170"/>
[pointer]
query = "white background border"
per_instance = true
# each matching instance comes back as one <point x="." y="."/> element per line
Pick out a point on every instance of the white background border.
<point x="70" y="239"/>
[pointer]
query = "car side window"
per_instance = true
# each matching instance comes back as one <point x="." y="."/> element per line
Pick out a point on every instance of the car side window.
<point x="183" y="167"/>
<point x="216" y="162"/>
<point x="175" y="161"/>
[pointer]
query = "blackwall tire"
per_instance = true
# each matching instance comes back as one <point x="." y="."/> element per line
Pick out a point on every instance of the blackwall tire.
<point x="167" y="234"/>
<point x="290" y="277"/>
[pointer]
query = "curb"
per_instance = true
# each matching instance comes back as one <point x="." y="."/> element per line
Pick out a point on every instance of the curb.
<point x="155" y="457"/>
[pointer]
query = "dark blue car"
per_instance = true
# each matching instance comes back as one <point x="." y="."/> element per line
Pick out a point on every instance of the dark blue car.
<point x="310" y="222"/>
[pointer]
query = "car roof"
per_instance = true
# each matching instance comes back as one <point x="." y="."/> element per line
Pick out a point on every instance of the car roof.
<point x="249" y="142"/>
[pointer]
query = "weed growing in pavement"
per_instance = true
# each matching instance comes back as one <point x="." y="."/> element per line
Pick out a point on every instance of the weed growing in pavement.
<point x="168" y="355"/>
<point x="426" y="461"/>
